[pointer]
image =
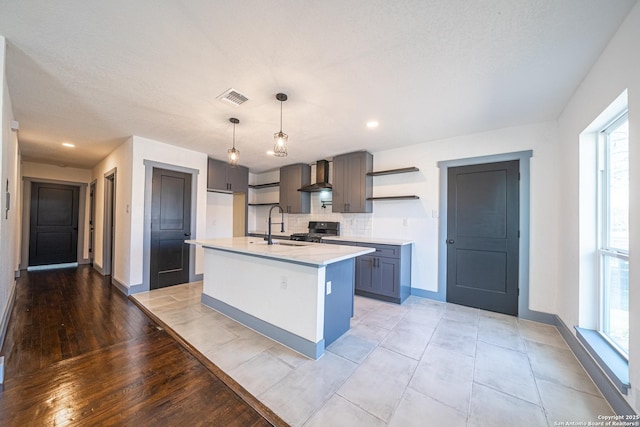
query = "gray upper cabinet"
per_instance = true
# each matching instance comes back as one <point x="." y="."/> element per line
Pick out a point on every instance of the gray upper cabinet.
<point x="351" y="184"/>
<point x="223" y="177"/>
<point x="292" y="178"/>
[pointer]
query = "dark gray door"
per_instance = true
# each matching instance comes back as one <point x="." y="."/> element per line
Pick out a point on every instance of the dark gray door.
<point x="108" y="224"/>
<point x="482" y="236"/>
<point x="53" y="237"/>
<point x="170" y="226"/>
<point x="92" y="219"/>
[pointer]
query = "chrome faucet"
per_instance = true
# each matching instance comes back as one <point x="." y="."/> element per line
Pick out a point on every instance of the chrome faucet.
<point x="268" y="237"/>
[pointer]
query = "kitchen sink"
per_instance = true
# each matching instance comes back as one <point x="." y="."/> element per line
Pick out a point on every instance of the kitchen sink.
<point x="282" y="243"/>
<point x="289" y="243"/>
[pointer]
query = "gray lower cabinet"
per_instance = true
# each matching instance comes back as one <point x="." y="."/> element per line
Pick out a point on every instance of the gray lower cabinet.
<point x="226" y="178"/>
<point x="351" y="184"/>
<point x="293" y="177"/>
<point x="384" y="274"/>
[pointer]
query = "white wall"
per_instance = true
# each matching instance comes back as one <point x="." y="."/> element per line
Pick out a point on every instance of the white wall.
<point x="55" y="173"/>
<point x="219" y="216"/>
<point x="617" y="69"/>
<point x="9" y="172"/>
<point x="120" y="161"/>
<point x="389" y="217"/>
<point x="421" y="226"/>
<point x="128" y="160"/>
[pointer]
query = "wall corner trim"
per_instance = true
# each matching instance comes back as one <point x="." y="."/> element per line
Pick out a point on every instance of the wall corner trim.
<point x="124" y="289"/>
<point x="98" y="268"/>
<point x="136" y="289"/>
<point x="423" y="293"/>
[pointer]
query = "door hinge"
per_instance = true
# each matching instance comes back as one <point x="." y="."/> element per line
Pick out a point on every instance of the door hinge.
<point x="518" y="291"/>
<point x="518" y="234"/>
<point x="518" y="176"/>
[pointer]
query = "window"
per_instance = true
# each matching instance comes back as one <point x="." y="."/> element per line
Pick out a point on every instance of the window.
<point x="613" y="233"/>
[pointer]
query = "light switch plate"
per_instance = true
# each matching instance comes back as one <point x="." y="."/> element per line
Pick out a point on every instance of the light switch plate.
<point x="328" y="288"/>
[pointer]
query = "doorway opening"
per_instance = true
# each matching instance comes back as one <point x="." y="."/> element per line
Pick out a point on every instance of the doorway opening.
<point x="92" y="219"/>
<point x="108" y="230"/>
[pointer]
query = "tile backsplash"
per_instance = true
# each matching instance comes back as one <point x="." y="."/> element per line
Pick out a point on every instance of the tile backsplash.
<point x="351" y="224"/>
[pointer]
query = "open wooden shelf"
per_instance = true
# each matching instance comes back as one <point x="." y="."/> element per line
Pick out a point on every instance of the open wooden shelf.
<point x="270" y="184"/>
<point x="263" y="204"/>
<point x="394" y="171"/>
<point x="394" y="198"/>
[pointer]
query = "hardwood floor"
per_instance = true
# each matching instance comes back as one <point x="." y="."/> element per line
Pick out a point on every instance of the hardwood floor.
<point x="79" y="352"/>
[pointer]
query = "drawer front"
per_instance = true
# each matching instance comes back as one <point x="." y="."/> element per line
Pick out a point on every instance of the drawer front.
<point x="388" y="251"/>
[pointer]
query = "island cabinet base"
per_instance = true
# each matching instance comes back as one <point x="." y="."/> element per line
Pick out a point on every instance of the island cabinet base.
<point x="338" y="300"/>
<point x="305" y="307"/>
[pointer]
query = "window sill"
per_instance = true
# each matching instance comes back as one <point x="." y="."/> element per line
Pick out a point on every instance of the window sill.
<point x="614" y="365"/>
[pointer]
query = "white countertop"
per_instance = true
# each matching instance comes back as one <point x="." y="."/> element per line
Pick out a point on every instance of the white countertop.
<point x="304" y="252"/>
<point x="370" y="240"/>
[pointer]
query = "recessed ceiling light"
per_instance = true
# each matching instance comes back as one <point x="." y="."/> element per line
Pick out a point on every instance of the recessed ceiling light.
<point x="68" y="144"/>
<point x="372" y="124"/>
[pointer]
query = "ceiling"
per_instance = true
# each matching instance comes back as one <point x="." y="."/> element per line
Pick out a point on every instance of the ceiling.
<point x="95" y="72"/>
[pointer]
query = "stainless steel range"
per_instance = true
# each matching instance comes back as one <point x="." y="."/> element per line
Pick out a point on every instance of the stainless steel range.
<point x="318" y="230"/>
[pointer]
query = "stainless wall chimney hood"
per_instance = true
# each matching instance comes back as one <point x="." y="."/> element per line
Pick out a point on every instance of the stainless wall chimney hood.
<point x="322" y="178"/>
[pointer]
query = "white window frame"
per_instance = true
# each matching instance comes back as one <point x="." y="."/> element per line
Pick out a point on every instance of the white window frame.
<point x="603" y="247"/>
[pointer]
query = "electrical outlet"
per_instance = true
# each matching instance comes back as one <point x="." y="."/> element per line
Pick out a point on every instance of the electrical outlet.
<point x="283" y="282"/>
<point x="329" y="288"/>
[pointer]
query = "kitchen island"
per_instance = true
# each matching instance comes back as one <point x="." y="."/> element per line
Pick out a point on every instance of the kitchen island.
<point x="297" y="293"/>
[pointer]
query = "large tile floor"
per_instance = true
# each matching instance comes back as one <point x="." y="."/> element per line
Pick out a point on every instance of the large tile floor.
<point x="422" y="363"/>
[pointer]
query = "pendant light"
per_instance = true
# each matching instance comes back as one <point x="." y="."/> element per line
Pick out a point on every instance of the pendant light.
<point x="232" y="153"/>
<point x="280" y="146"/>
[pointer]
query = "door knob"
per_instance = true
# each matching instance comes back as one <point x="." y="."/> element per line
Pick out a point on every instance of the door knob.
<point x="187" y="234"/>
<point x="450" y="241"/>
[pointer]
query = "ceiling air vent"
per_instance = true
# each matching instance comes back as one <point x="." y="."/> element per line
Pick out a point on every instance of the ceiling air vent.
<point x="232" y="96"/>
